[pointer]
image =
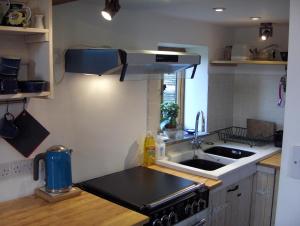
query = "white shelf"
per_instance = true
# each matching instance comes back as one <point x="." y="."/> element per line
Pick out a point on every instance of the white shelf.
<point x="22" y="31"/>
<point x="236" y="62"/>
<point x="34" y="46"/>
<point x="23" y="95"/>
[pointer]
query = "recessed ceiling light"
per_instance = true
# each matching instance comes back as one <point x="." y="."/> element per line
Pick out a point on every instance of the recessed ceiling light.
<point x="255" y="18"/>
<point x="219" y="9"/>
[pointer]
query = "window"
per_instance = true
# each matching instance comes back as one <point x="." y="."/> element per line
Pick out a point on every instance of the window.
<point x="173" y="92"/>
<point x="169" y="87"/>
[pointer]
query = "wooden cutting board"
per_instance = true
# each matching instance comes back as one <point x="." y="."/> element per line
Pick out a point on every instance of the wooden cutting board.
<point x="258" y="128"/>
<point x="41" y="193"/>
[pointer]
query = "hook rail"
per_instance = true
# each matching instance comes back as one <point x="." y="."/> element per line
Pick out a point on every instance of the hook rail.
<point x="17" y="101"/>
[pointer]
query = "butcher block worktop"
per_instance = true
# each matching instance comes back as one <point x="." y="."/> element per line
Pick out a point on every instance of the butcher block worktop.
<point x="210" y="183"/>
<point x="85" y="209"/>
<point x="273" y="161"/>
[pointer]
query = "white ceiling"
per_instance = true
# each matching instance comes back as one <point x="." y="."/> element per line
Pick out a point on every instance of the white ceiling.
<point x="237" y="11"/>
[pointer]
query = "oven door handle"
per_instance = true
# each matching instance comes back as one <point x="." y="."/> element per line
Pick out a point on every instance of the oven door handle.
<point x="201" y="223"/>
<point x="187" y="190"/>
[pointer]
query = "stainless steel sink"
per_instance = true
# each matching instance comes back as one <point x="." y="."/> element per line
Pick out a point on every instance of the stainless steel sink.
<point x="228" y="152"/>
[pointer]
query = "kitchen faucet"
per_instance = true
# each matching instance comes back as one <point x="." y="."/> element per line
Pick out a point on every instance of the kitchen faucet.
<point x="196" y="142"/>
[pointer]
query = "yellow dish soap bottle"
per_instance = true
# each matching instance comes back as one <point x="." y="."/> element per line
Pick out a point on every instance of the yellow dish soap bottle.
<point x="149" y="150"/>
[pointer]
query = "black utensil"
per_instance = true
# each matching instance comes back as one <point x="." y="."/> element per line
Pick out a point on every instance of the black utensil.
<point x="8" y="129"/>
<point x="31" y="134"/>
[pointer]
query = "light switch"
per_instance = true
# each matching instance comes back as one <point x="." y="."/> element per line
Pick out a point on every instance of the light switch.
<point x="294" y="166"/>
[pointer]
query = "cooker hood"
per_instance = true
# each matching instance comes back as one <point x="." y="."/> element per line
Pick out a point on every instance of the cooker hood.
<point x="131" y="65"/>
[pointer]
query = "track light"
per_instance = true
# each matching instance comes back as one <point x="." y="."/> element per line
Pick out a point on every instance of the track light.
<point x="265" y="31"/>
<point x="111" y="9"/>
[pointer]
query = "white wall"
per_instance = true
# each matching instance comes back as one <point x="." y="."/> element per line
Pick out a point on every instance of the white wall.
<point x="101" y="118"/>
<point x="288" y="211"/>
<point x="196" y="90"/>
<point x="220" y="98"/>
<point x="250" y="36"/>
<point x="256" y="86"/>
<point x="256" y="94"/>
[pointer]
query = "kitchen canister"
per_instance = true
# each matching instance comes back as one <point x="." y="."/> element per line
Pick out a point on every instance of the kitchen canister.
<point x="39" y="21"/>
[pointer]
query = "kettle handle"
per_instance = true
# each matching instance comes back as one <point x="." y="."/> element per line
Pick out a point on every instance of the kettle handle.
<point x="36" y="162"/>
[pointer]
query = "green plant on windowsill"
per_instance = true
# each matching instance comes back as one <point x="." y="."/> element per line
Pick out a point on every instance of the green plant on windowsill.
<point x="169" y="114"/>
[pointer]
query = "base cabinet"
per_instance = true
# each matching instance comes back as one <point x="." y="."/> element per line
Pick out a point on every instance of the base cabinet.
<point x="264" y="197"/>
<point x="232" y="206"/>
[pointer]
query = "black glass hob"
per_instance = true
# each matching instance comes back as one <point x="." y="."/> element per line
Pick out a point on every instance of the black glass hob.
<point x="139" y="187"/>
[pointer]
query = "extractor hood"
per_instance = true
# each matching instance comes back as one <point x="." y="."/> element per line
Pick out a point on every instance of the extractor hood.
<point x="141" y="64"/>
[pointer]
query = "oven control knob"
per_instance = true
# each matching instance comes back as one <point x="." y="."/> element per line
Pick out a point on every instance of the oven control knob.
<point x="188" y="210"/>
<point x="202" y="204"/>
<point x="157" y="222"/>
<point x="173" y="218"/>
<point x="195" y="207"/>
<point x="165" y="220"/>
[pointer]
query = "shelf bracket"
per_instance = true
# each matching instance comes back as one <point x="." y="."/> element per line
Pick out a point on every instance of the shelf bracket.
<point x="37" y="38"/>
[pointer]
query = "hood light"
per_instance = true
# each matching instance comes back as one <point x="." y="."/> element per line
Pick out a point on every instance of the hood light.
<point x="111" y="9"/>
<point x="90" y="74"/>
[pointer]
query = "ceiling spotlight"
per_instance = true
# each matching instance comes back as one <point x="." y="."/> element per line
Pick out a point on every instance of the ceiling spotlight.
<point x="219" y="9"/>
<point x="265" y="31"/>
<point x="111" y="9"/>
<point x="255" y="18"/>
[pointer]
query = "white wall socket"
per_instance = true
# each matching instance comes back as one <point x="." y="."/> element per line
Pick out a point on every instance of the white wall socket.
<point x="16" y="168"/>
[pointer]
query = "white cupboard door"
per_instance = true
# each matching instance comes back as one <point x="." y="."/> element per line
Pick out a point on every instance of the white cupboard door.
<point x="239" y="202"/>
<point x="217" y="208"/>
<point x="244" y="205"/>
<point x="262" y="199"/>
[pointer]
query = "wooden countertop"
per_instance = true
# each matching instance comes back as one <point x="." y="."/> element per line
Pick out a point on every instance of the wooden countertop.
<point x="85" y="209"/>
<point x="210" y="183"/>
<point x="273" y="161"/>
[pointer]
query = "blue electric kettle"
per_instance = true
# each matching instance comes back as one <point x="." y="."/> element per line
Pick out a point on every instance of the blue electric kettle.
<point x="58" y="173"/>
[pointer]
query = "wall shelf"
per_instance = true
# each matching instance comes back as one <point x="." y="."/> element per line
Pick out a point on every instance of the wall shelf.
<point x="237" y="62"/>
<point x="22" y="31"/>
<point x="35" y="48"/>
<point x="23" y="95"/>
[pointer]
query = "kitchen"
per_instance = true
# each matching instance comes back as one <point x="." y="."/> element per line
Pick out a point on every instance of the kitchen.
<point x="93" y="115"/>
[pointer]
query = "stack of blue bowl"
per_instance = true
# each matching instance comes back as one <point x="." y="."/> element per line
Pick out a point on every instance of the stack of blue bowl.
<point x="9" y="70"/>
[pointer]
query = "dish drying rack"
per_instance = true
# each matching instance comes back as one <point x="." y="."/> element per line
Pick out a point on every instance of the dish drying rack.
<point x="240" y="135"/>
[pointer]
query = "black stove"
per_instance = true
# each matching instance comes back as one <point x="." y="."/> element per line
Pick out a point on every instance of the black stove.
<point x="165" y="198"/>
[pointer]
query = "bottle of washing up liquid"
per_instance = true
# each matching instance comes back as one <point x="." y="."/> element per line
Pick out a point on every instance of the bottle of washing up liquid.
<point x="149" y="150"/>
<point x="160" y="153"/>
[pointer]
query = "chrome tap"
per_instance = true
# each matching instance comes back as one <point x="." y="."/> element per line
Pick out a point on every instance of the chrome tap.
<point x="196" y="142"/>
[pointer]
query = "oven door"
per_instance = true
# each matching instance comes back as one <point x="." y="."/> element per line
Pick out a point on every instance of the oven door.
<point x="199" y="219"/>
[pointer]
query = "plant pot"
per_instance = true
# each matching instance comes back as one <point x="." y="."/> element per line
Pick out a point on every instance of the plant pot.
<point x="171" y="133"/>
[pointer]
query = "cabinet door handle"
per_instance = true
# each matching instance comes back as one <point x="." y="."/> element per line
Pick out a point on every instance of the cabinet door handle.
<point x="233" y="189"/>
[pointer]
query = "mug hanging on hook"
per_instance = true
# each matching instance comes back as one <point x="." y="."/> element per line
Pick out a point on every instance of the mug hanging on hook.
<point x="8" y="129"/>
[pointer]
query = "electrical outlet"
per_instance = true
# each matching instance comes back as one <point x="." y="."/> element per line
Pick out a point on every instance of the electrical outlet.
<point x="16" y="168"/>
